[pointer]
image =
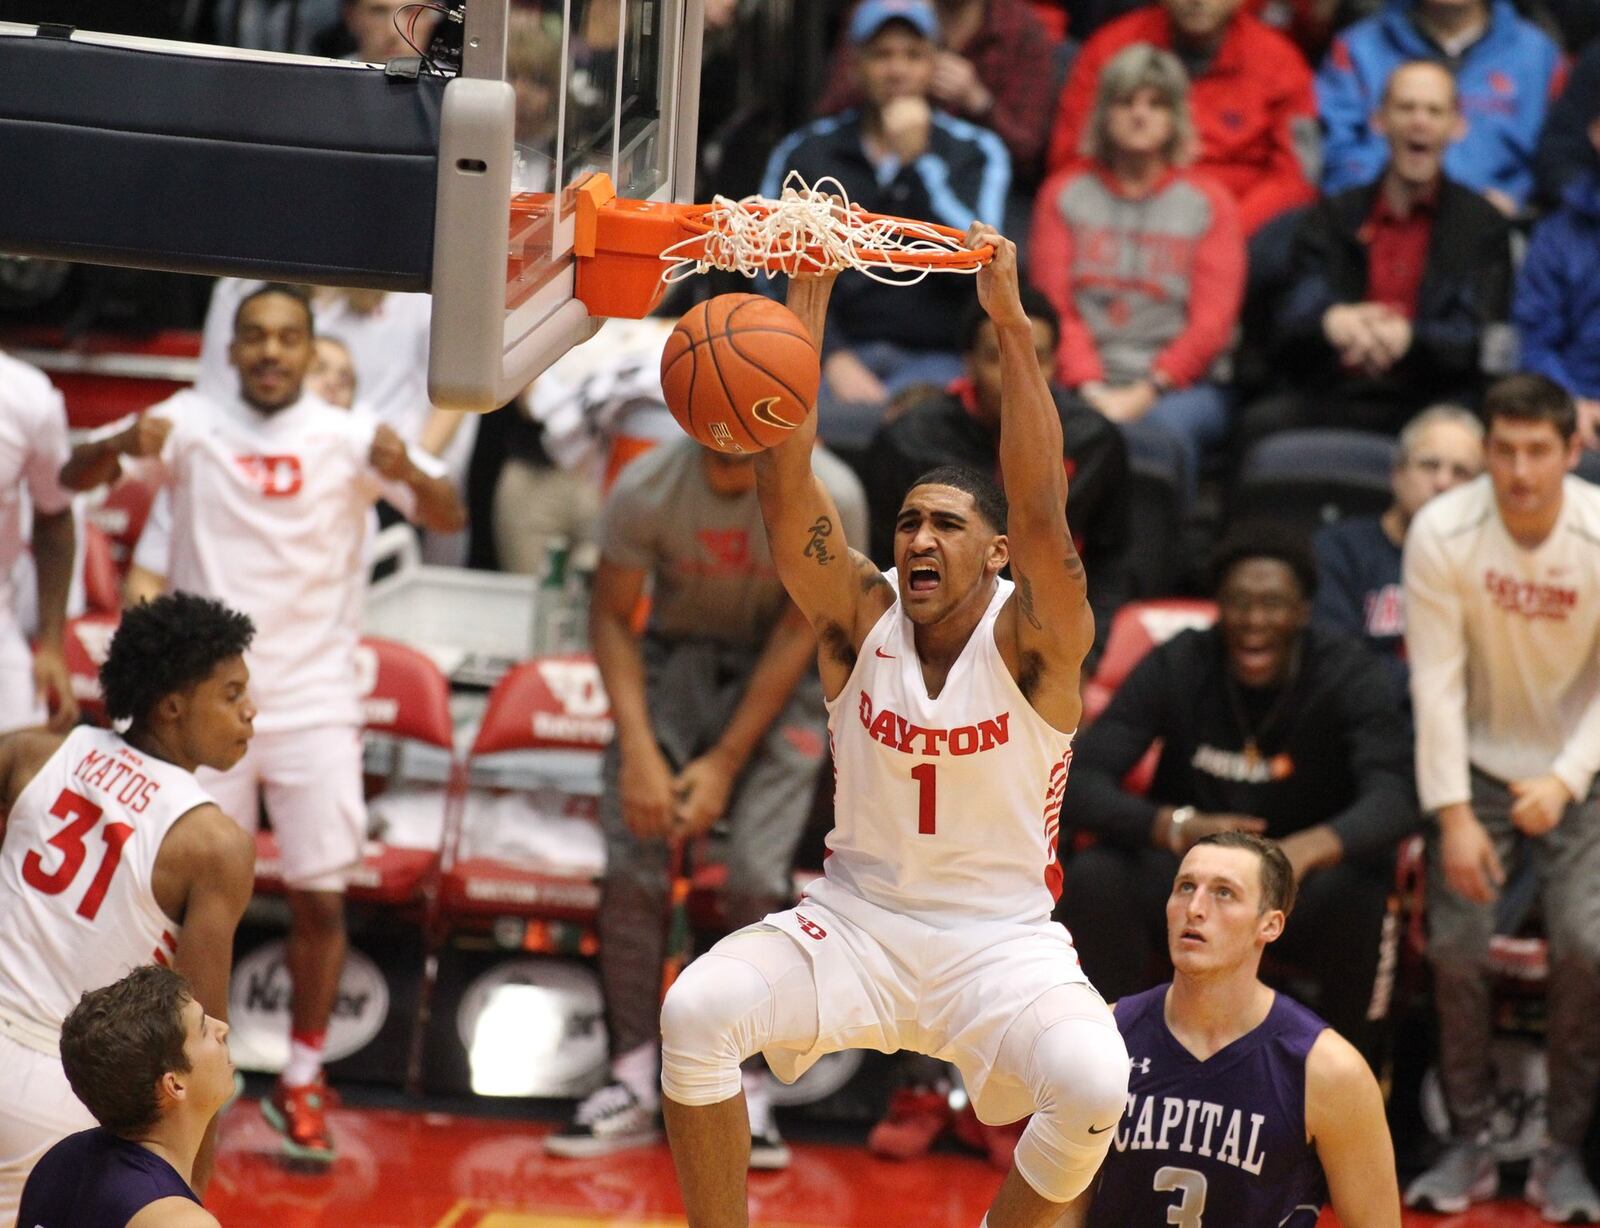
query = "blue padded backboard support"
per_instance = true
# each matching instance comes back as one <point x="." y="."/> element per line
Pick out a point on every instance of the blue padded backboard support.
<point x="224" y="164"/>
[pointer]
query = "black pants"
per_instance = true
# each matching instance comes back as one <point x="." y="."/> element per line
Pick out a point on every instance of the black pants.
<point x="1114" y="902"/>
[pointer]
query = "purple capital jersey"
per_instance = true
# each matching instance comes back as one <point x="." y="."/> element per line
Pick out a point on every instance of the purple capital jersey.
<point x="94" y="1179"/>
<point x="1213" y="1144"/>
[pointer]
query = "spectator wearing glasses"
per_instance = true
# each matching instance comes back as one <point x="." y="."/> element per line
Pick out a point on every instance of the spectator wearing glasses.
<point x="1358" y="560"/>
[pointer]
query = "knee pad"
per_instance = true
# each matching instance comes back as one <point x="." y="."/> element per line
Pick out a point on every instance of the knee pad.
<point x="1078" y="1069"/>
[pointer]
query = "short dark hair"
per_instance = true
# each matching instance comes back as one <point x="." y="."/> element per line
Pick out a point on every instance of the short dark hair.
<point x="1035" y="305"/>
<point x="168" y="645"/>
<point x="297" y="293"/>
<point x="1266" y="539"/>
<point x="118" y="1042"/>
<point x="1526" y="397"/>
<point x="985" y="491"/>
<point x="1277" y="875"/>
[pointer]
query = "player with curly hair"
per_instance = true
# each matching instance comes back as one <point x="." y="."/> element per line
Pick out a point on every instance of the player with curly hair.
<point x="114" y="857"/>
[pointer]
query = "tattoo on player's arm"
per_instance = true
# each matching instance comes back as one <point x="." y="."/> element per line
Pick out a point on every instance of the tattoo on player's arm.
<point x="1073" y="565"/>
<point x="817" y="548"/>
<point x="1025" y="600"/>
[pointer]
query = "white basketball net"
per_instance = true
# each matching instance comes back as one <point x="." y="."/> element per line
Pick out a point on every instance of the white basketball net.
<point x="807" y="230"/>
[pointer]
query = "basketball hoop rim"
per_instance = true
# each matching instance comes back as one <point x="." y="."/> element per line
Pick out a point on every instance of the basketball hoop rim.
<point x="696" y="220"/>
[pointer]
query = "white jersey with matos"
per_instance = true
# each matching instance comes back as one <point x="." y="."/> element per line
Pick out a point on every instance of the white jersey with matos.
<point x="946" y="809"/>
<point x="77" y="902"/>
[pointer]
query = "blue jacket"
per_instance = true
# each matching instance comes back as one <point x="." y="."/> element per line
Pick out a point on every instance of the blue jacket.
<point x="1557" y="303"/>
<point x="1505" y="80"/>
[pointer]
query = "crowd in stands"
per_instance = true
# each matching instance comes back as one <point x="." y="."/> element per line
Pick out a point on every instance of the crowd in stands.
<point x="1243" y="221"/>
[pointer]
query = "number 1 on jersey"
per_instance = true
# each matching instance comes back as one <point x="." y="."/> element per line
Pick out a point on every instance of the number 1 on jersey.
<point x="927" y="797"/>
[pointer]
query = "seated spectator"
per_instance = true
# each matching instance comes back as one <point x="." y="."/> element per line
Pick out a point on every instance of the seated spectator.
<point x="1506" y="71"/>
<point x="1144" y="261"/>
<point x="898" y="155"/>
<point x="1567" y="146"/>
<point x="1251" y="98"/>
<point x="1358" y="559"/>
<point x="1265" y="724"/>
<point x="1556" y="305"/>
<point x="1393" y="283"/>
<point x="992" y="57"/>
<point x="961" y="426"/>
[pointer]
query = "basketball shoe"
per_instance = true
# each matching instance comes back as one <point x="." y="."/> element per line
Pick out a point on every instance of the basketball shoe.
<point x="612" y="1119"/>
<point x="300" y="1115"/>
<point x="1466" y="1173"/>
<point x="1559" y="1187"/>
<point x="916" y="1118"/>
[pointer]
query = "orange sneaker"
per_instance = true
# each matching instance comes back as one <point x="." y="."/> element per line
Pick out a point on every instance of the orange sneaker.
<point x="300" y="1115"/>
<point x="916" y="1118"/>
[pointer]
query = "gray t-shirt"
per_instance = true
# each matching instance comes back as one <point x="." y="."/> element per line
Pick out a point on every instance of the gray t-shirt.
<point x="707" y="554"/>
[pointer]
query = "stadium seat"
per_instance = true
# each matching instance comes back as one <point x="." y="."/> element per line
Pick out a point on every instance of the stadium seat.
<point x="120" y="515"/>
<point x="407" y="700"/>
<point x="1155" y="560"/>
<point x="102" y="584"/>
<point x="1311" y="478"/>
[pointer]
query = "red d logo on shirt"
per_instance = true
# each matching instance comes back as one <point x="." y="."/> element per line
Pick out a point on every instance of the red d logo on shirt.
<point x="277" y="477"/>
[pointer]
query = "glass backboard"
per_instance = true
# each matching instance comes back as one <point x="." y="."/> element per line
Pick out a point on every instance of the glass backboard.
<point x="550" y="92"/>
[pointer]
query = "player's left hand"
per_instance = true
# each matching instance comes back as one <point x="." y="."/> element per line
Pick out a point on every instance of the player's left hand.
<point x="703" y="789"/>
<point x="1541" y="801"/>
<point x="388" y="454"/>
<point x="52" y="682"/>
<point x="999" y="287"/>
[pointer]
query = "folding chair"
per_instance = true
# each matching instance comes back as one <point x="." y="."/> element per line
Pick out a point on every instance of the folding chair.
<point x="1315" y="477"/>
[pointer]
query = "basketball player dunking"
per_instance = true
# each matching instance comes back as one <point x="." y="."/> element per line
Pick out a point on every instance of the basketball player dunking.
<point x="114" y="857"/>
<point x="952" y="699"/>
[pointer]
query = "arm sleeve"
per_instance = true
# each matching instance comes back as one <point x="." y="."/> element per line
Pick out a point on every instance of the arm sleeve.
<point x="1451" y="343"/>
<point x="1352" y="154"/>
<point x="1050" y="270"/>
<point x="1384" y="810"/>
<point x="47" y="453"/>
<point x="1075" y="106"/>
<point x="1216" y="289"/>
<point x="1539" y="306"/>
<point x="1436" y="644"/>
<point x="972" y="190"/>
<point x="1110" y="748"/>
<point x="1337" y="604"/>
<point x="1287" y="180"/>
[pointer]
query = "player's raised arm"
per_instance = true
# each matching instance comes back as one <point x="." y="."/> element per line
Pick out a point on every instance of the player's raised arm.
<point x="838" y="590"/>
<point x="1346" y="1124"/>
<point x="1047" y="619"/>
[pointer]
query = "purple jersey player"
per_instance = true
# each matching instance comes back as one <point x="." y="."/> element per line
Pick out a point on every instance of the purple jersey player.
<point x="1243" y="1107"/>
<point x="154" y="1070"/>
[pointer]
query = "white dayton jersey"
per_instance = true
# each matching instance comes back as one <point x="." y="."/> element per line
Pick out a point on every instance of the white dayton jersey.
<point x="77" y="902"/>
<point x="945" y="809"/>
<point x="269" y="516"/>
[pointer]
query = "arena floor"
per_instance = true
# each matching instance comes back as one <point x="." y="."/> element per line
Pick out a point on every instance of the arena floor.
<point x="411" y="1169"/>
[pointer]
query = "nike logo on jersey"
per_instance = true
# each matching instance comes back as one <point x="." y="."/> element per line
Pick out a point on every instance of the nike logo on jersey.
<point x="887" y="656"/>
<point x="763" y="412"/>
<point x="1101" y="1130"/>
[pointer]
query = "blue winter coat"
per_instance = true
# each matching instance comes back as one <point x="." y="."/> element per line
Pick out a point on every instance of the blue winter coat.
<point x="1505" y="80"/>
<point x="1557" y="302"/>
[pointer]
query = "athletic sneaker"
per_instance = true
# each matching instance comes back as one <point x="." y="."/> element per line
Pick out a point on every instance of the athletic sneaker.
<point x="300" y="1115"/>
<point x="1466" y="1173"/>
<point x="768" y="1151"/>
<point x="1559" y="1187"/>
<point x="917" y="1116"/>
<point x="612" y="1119"/>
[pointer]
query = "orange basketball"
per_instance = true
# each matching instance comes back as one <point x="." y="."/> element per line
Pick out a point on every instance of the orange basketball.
<point x="740" y="372"/>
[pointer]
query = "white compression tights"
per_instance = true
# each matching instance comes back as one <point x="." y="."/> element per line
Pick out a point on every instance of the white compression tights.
<point x="755" y="990"/>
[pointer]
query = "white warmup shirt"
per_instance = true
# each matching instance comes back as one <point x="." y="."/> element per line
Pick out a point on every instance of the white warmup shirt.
<point x="33" y="447"/>
<point x="77" y="902"/>
<point x="1504" y="643"/>
<point x="269" y="516"/>
<point x="946" y="810"/>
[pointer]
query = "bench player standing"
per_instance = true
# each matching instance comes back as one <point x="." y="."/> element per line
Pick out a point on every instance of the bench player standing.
<point x="270" y="495"/>
<point x="115" y="856"/>
<point x="953" y="695"/>
<point x="1243" y="1106"/>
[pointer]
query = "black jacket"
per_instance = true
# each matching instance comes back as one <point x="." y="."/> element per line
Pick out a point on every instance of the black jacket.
<point x="1338" y="750"/>
<point x="938" y="430"/>
<point x="1466" y="284"/>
